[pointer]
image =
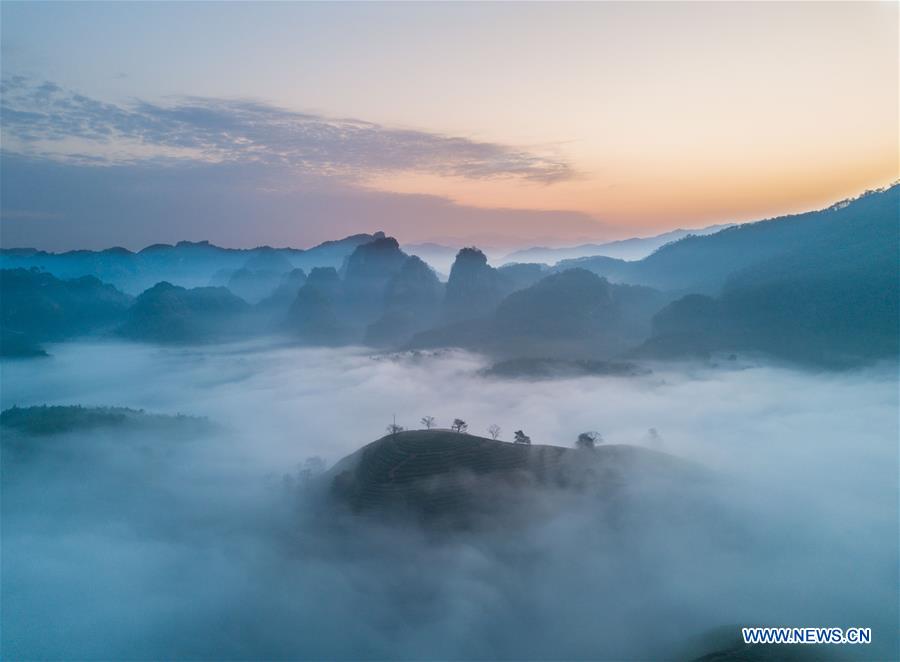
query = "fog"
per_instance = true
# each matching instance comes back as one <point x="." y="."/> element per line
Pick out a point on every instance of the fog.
<point x="129" y="545"/>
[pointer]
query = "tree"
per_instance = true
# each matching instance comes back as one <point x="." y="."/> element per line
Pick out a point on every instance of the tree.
<point x="521" y="438"/>
<point x="393" y="428"/>
<point x="428" y="422"/>
<point x="588" y="440"/>
<point x="494" y="431"/>
<point x="459" y="425"/>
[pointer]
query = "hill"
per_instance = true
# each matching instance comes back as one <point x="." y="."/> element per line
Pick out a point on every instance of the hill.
<point x="36" y="307"/>
<point x="47" y="420"/>
<point x="15" y="345"/>
<point x="574" y="314"/>
<point x="411" y="302"/>
<point x="474" y="288"/>
<point x="171" y="314"/>
<point x="850" y="231"/>
<point x="440" y="474"/>
<point x="832" y="301"/>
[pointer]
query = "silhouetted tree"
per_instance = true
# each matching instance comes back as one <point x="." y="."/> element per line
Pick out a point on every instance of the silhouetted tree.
<point x="494" y="431"/>
<point x="393" y="428"/>
<point x="428" y="422"/>
<point x="521" y="438"/>
<point x="588" y="440"/>
<point x="459" y="425"/>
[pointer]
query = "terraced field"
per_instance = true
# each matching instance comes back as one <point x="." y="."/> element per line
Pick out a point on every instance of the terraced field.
<point x="439" y="472"/>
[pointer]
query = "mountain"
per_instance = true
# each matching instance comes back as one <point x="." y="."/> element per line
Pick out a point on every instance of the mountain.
<point x="830" y="314"/>
<point x="259" y="277"/>
<point x="574" y="314"/>
<point x="383" y="297"/>
<point x="284" y="294"/>
<point x="474" y="288"/>
<point x="324" y="280"/>
<point x="269" y="259"/>
<point x="635" y="248"/>
<point x="380" y="293"/>
<point x="168" y="313"/>
<point x="831" y="300"/>
<point x="412" y="300"/>
<point x="36" y="306"/>
<point x="255" y="285"/>
<point x="188" y="264"/>
<point x="818" y="287"/>
<point x="448" y="477"/>
<point x="312" y="316"/>
<point x="367" y="271"/>
<point x="521" y="275"/>
<point x="853" y="230"/>
<point x="17" y="345"/>
<point x="333" y="253"/>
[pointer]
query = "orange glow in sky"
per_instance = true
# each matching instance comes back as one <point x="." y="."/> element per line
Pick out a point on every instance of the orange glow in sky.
<point x="672" y="114"/>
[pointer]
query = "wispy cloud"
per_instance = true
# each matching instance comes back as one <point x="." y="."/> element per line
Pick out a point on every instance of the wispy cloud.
<point x="44" y="119"/>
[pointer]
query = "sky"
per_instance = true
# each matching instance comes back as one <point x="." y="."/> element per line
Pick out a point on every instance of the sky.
<point x="502" y="124"/>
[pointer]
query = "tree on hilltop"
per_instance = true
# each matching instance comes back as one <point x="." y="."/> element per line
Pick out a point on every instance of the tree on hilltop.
<point x="588" y="440"/>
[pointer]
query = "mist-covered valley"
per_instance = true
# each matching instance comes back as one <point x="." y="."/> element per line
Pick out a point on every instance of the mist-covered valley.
<point x="200" y="528"/>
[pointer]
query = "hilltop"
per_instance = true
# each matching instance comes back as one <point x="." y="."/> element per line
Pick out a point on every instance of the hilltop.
<point x="441" y="474"/>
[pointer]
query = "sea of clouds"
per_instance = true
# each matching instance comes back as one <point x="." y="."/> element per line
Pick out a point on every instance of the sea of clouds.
<point x="121" y="544"/>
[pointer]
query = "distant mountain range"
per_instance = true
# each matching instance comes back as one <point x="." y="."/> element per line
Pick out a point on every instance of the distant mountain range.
<point x="820" y="288"/>
<point x="635" y="248"/>
<point x="188" y="264"/>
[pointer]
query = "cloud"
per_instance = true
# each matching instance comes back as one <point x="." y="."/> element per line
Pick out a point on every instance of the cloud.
<point x="44" y="119"/>
<point x="72" y="205"/>
<point x="195" y="550"/>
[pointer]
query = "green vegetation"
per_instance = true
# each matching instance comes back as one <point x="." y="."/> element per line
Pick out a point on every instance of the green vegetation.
<point x="57" y="419"/>
<point x="36" y="306"/>
<point x="171" y="314"/>
<point x="438" y="473"/>
<point x="18" y="345"/>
